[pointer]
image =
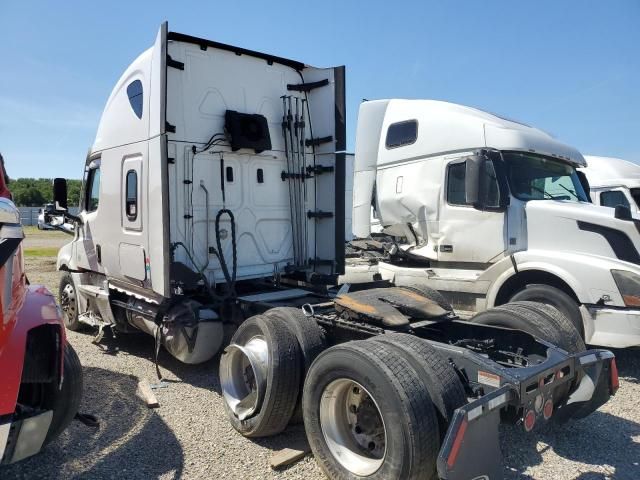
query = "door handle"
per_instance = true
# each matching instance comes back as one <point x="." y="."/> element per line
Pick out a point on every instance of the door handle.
<point x="99" y="253"/>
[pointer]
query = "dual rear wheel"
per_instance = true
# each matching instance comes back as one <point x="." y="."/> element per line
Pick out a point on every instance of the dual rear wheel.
<point x="374" y="408"/>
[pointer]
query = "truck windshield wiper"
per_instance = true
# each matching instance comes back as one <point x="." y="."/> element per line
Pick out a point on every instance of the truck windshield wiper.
<point x="537" y="189"/>
<point x="571" y="192"/>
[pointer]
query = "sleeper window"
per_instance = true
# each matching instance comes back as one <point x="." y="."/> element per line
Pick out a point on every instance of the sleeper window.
<point x="93" y="190"/>
<point x="134" y="92"/>
<point x="131" y="195"/>
<point x="402" y="133"/>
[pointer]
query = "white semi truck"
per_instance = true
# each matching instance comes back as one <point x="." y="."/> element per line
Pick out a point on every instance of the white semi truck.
<point x="213" y="201"/>
<point x="487" y="210"/>
<point x="614" y="182"/>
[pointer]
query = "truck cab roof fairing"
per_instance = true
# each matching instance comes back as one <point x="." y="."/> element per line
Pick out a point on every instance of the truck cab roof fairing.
<point x="473" y="129"/>
<point x="609" y="171"/>
<point x="119" y="124"/>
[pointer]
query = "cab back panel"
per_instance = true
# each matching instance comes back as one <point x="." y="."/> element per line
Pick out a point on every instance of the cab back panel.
<point x="213" y="80"/>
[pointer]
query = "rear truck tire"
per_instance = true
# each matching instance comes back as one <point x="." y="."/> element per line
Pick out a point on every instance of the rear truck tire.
<point x="66" y="400"/>
<point x="367" y="414"/>
<point x="556" y="298"/>
<point x="541" y="321"/>
<point x="260" y="376"/>
<point x="442" y="381"/>
<point x="431" y="294"/>
<point x="69" y="302"/>
<point x="545" y="322"/>
<point x="311" y="340"/>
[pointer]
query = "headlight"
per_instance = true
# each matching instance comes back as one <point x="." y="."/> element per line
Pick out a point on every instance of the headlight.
<point x="629" y="286"/>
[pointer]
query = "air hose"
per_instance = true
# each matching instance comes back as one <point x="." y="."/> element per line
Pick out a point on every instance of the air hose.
<point x="230" y="278"/>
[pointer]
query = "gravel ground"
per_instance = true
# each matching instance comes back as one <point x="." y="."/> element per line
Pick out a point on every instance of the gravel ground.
<point x="189" y="436"/>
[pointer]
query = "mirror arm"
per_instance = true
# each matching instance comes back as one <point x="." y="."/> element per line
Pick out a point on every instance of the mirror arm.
<point x="68" y="215"/>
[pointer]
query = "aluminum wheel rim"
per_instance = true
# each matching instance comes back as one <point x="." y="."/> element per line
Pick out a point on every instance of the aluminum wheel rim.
<point x="68" y="301"/>
<point x="353" y="427"/>
<point x="243" y="373"/>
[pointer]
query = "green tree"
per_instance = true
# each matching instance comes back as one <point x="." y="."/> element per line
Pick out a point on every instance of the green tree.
<point x="29" y="197"/>
<point x="35" y="192"/>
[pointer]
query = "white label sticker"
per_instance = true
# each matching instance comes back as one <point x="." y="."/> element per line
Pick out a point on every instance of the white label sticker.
<point x="490" y="379"/>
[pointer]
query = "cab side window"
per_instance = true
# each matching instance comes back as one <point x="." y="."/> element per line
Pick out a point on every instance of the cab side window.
<point x="131" y="195"/>
<point x="456" y="193"/>
<point x="93" y="190"/>
<point x="613" y="199"/>
<point x="456" y="190"/>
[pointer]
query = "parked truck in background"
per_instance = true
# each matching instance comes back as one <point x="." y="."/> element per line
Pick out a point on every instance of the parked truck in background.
<point x="40" y="373"/>
<point x="214" y="202"/>
<point x="614" y="182"/>
<point x="487" y="211"/>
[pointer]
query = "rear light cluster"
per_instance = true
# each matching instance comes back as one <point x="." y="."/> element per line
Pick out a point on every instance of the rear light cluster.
<point x="540" y="406"/>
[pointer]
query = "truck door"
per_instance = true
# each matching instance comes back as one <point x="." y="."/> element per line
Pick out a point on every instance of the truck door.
<point x="131" y="251"/>
<point x="469" y="235"/>
<point x="89" y="253"/>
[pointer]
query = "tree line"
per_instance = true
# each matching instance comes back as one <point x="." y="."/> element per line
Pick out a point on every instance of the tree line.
<point x="35" y="192"/>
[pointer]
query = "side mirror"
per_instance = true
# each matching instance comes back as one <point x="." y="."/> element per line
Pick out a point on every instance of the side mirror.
<point x="473" y="173"/>
<point x="622" y="212"/>
<point x="60" y="193"/>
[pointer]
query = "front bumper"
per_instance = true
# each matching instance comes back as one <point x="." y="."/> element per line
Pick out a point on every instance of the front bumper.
<point x="612" y="327"/>
<point x="23" y="438"/>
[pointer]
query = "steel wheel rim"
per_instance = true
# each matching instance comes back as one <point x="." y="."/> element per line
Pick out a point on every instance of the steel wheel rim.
<point x="243" y="373"/>
<point x="353" y="427"/>
<point x="68" y="301"/>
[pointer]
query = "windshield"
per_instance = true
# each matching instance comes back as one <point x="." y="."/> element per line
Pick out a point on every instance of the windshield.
<point x="534" y="177"/>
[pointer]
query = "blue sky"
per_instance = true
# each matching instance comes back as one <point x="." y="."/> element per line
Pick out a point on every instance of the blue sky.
<point x="569" y="67"/>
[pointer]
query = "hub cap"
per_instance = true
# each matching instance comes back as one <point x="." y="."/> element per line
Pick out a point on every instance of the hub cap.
<point x="68" y="302"/>
<point x="243" y="373"/>
<point x="353" y="427"/>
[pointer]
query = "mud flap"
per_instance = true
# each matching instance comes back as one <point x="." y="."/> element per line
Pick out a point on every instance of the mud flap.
<point x="593" y="391"/>
<point x="471" y="449"/>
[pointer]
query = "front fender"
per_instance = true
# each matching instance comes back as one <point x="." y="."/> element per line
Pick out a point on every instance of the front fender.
<point x="37" y="308"/>
<point x="65" y="260"/>
<point x="589" y="276"/>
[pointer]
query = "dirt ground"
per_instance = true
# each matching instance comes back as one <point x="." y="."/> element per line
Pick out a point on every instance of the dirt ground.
<point x="190" y="437"/>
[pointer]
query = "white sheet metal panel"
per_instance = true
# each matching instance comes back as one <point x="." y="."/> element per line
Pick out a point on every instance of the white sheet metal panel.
<point x="132" y="261"/>
<point x="213" y="81"/>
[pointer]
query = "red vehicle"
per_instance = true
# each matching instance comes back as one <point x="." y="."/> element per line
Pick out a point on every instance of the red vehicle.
<point x="40" y="373"/>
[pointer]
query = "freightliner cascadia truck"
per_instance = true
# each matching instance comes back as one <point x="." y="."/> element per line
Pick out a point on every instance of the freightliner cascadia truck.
<point x="213" y="206"/>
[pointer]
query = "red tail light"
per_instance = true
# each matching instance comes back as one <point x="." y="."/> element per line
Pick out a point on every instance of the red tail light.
<point x="457" y="443"/>
<point x="615" y="381"/>
<point x="529" y="420"/>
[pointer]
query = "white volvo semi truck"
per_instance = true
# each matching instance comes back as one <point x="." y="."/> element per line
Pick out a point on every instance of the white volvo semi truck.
<point x="487" y="210"/>
<point x="614" y="182"/>
<point x="213" y="201"/>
